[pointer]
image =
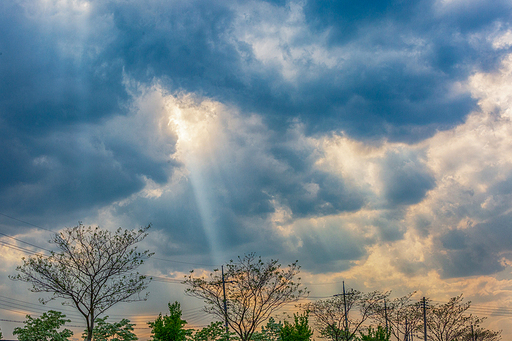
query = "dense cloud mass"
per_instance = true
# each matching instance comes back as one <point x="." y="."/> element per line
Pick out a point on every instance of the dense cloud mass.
<point x="370" y="140"/>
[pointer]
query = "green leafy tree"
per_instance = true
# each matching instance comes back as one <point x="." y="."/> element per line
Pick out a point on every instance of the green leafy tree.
<point x="1" y="336"/>
<point x="299" y="330"/>
<point x="93" y="270"/>
<point x="215" y="331"/>
<point x="333" y="332"/>
<point x="170" y="327"/>
<point x="379" y="334"/>
<point x="254" y="290"/>
<point x="44" y="328"/>
<point x="270" y="332"/>
<point x="117" y="331"/>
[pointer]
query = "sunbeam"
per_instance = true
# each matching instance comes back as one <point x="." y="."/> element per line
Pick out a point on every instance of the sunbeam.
<point x="196" y="129"/>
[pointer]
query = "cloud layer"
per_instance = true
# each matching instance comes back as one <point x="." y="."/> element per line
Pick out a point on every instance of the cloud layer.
<point x="369" y="140"/>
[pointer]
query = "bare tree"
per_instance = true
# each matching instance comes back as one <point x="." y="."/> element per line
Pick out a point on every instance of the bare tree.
<point x="449" y="321"/>
<point x="341" y="317"/>
<point x="93" y="270"/>
<point x="403" y="316"/>
<point x="254" y="290"/>
<point x="481" y="334"/>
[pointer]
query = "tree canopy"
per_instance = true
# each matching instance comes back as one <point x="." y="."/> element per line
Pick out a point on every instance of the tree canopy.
<point x="341" y="316"/>
<point x="299" y="330"/>
<point x="44" y="328"/>
<point x="254" y="289"/>
<point x="170" y="327"/>
<point x="116" y="331"/>
<point x="93" y="270"/>
<point x="402" y="315"/>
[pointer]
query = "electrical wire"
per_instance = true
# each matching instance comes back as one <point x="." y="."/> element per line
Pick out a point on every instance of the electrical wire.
<point x="26" y="222"/>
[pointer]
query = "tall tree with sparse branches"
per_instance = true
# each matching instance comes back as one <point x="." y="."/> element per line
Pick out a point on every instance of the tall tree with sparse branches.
<point x="332" y="321"/>
<point x="93" y="270"/>
<point x="449" y="321"/>
<point x="254" y="290"/>
<point x="402" y="315"/>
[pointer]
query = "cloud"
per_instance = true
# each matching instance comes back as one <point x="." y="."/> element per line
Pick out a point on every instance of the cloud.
<point x="395" y="77"/>
<point x="54" y="71"/>
<point x="246" y="54"/>
<point x="476" y="250"/>
<point x="231" y="176"/>
<point x="71" y="172"/>
<point x="369" y="140"/>
<point x="405" y="177"/>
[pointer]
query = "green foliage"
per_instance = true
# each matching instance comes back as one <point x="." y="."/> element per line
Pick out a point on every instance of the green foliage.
<point x="299" y="330"/>
<point x="269" y="332"/>
<point x="1" y="336"/>
<point x="379" y="334"/>
<point x="170" y="327"/>
<point x="44" y="328"/>
<point x="332" y="332"/>
<point x="215" y="331"/>
<point x="117" y="331"/>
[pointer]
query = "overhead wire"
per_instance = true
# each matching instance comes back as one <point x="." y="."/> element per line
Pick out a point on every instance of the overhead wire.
<point x="26" y="222"/>
<point x="19" y="248"/>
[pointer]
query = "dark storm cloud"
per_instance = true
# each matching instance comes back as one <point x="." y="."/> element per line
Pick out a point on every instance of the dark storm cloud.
<point x="76" y="171"/>
<point x="476" y="250"/>
<point x="403" y="58"/>
<point x="186" y="41"/>
<point x="330" y="248"/>
<point x="51" y="76"/>
<point x="53" y="79"/>
<point x="405" y="177"/>
<point x="396" y="80"/>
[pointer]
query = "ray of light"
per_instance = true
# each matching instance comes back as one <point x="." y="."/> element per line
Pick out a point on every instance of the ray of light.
<point x="191" y="124"/>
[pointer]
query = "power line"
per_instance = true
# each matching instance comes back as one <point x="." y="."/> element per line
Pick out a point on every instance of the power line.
<point x="19" y="248"/>
<point x="24" y="242"/>
<point x="26" y="222"/>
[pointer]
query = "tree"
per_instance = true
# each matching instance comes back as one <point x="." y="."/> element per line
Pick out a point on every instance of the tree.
<point x="449" y="321"/>
<point x="379" y="334"/>
<point x="254" y="290"/>
<point x="93" y="270"/>
<point x="299" y="330"/>
<point x="270" y="332"/>
<point x="215" y="331"/>
<point x="44" y="328"/>
<point x="330" y="317"/>
<point x="117" y="331"/>
<point x="481" y="334"/>
<point x="402" y="315"/>
<point x="170" y="327"/>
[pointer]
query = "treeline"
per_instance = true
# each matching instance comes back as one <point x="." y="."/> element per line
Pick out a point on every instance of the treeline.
<point x="356" y="316"/>
<point x="95" y="269"/>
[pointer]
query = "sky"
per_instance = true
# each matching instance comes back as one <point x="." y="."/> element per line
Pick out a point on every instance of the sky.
<point x="369" y="140"/>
